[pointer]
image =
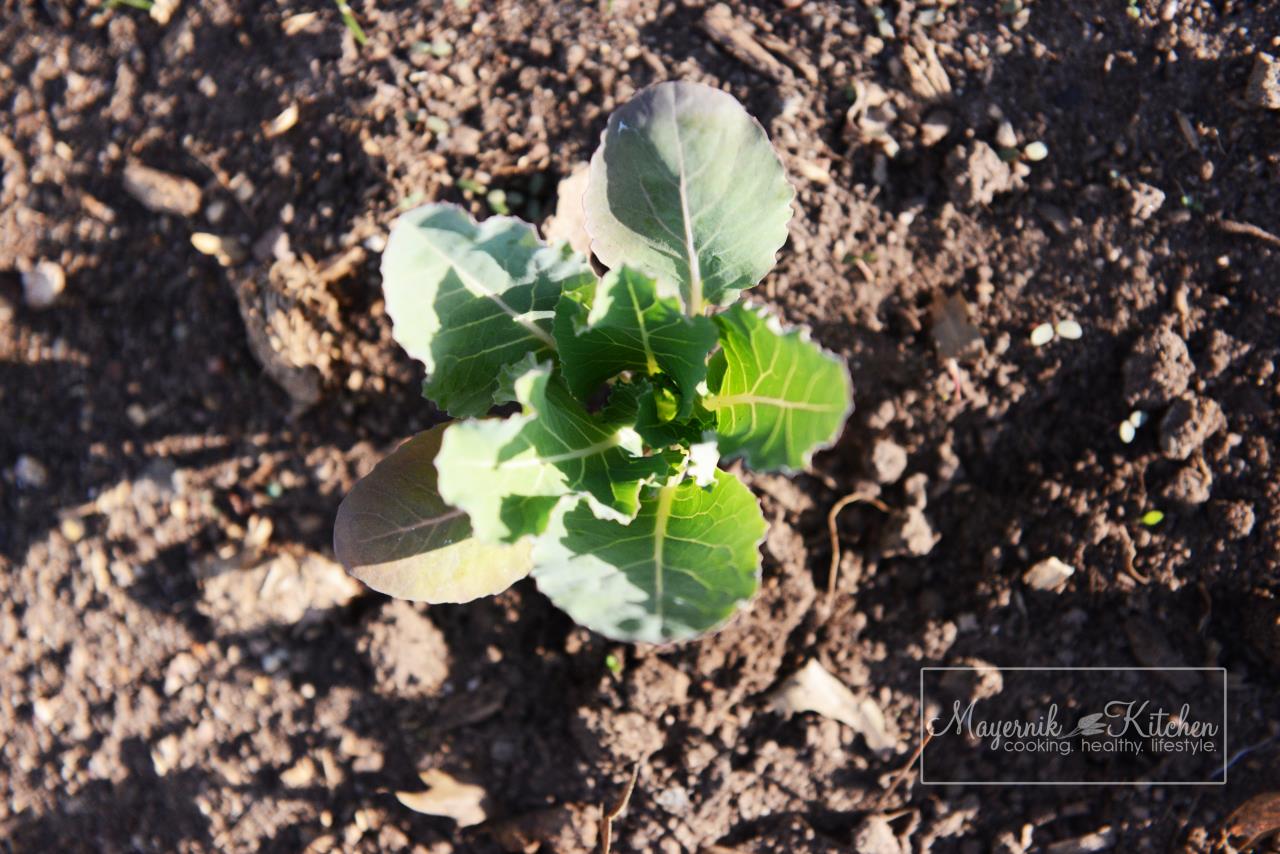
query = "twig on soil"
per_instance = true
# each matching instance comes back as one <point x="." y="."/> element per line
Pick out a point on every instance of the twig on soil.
<point x="607" y="816"/>
<point x="1247" y="229"/>
<point x="904" y="771"/>
<point x="851" y="498"/>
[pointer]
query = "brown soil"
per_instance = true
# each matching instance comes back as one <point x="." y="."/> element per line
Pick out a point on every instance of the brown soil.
<point x="184" y="668"/>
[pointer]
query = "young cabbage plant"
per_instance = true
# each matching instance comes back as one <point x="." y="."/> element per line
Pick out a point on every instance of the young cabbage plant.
<point x="631" y="388"/>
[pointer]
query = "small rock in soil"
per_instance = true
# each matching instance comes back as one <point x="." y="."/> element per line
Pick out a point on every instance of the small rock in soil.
<point x="301" y="775"/>
<point x="1049" y="574"/>
<point x="908" y="534"/>
<point x="1190" y="485"/>
<point x="1234" y="519"/>
<point x="875" y="836"/>
<point x="42" y="285"/>
<point x="936" y="126"/>
<point x="181" y="672"/>
<point x="1158" y="369"/>
<point x="1189" y="422"/>
<point x="1264" y="82"/>
<point x="886" y="461"/>
<point x="161" y="192"/>
<point x="1144" y="200"/>
<point x="976" y="174"/>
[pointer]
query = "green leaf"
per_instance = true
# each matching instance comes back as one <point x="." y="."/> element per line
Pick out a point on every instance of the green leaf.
<point x="467" y="299"/>
<point x="777" y="396"/>
<point x="683" y="566"/>
<point x="660" y="425"/>
<point x="686" y="187"/>
<point x="396" y="534"/>
<point x="620" y="324"/>
<point x="509" y="474"/>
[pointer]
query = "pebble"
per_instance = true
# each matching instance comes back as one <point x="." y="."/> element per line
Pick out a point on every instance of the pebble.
<point x="1049" y="574"/>
<point x="1145" y="200"/>
<point x="160" y="191"/>
<point x="181" y="672"/>
<point x="887" y="461"/>
<point x="936" y="126"/>
<point x="30" y="473"/>
<point x="301" y="775"/>
<point x="42" y="285"/>
<point x="908" y="534"/>
<point x="72" y="528"/>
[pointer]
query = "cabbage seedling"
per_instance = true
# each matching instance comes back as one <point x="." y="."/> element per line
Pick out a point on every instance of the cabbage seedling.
<point x="631" y="387"/>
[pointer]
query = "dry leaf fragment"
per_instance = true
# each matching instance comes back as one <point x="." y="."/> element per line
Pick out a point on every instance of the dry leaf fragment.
<point x="813" y="689"/>
<point x="446" y="797"/>
<point x="282" y="123"/>
<point x="952" y="331"/>
<point x="1255" y="819"/>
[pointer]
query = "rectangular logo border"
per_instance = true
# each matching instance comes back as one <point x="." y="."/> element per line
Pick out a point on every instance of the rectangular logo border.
<point x="1225" y="752"/>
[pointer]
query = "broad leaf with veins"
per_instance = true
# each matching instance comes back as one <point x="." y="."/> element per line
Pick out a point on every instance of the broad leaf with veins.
<point x="508" y="475"/>
<point x="621" y="324"/>
<point x="776" y="395"/>
<point x="682" y="567"/>
<point x="396" y="534"/>
<point x="467" y="299"/>
<point x="686" y="187"/>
